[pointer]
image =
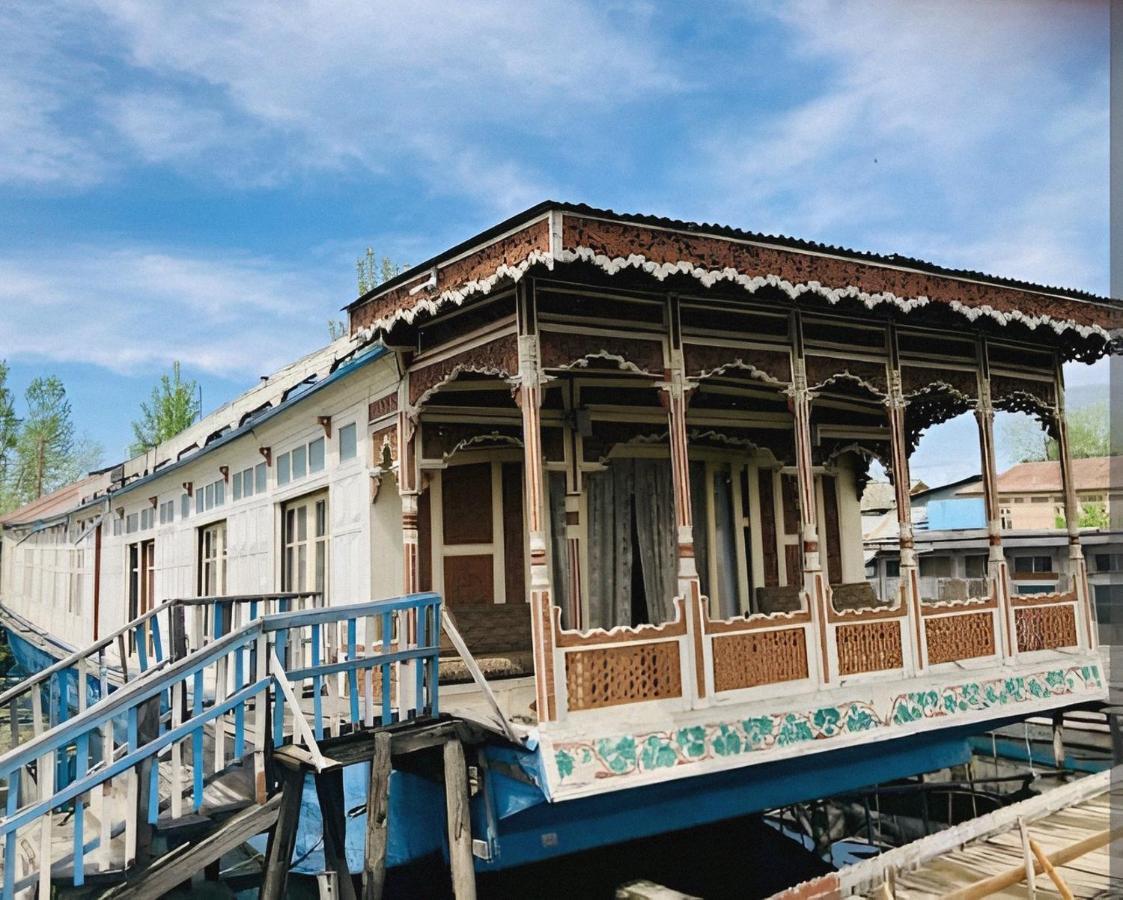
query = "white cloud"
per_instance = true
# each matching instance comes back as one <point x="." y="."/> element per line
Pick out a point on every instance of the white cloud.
<point x="133" y="309"/>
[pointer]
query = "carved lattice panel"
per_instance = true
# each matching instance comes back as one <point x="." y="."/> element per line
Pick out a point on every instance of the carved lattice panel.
<point x="869" y="647"/>
<point x="759" y="657"/>
<point x="632" y="673"/>
<point x="959" y="637"/>
<point x="1046" y="627"/>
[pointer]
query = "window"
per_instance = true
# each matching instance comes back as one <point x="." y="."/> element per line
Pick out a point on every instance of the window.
<point x="892" y="568"/>
<point x="1108" y="562"/>
<point x="237" y="484"/>
<point x="1033" y="564"/>
<point x="316" y="456"/>
<point x="185" y="506"/>
<point x="283" y="469"/>
<point x="210" y="496"/>
<point x="131" y="522"/>
<point x="247" y="483"/>
<point x="117" y="526"/>
<point x="1005" y="518"/>
<point x="147" y="518"/>
<point x="299" y="457"/>
<point x="167" y="512"/>
<point x="212" y="560"/>
<point x="305" y="544"/>
<point x="1040" y="499"/>
<point x="976" y="565"/>
<point x="935" y="566"/>
<point x="259" y="478"/>
<point x="348" y="442"/>
<point x="142" y="581"/>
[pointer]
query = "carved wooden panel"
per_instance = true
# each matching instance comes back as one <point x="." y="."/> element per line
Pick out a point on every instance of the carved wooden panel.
<point x="630" y="673"/>
<point x="759" y="657"/>
<point x="559" y="350"/>
<point x="466" y="504"/>
<point x="768" y="528"/>
<point x="869" y="647"/>
<point x="383" y="406"/>
<point x="1022" y="394"/>
<point x="514" y="576"/>
<point x="922" y="379"/>
<point x="703" y="360"/>
<point x="441" y="440"/>
<point x="384" y="445"/>
<point x="499" y="357"/>
<point x="1045" y="627"/>
<point x="469" y="580"/>
<point x="824" y="369"/>
<point x="953" y="638"/>
<point x="831" y="529"/>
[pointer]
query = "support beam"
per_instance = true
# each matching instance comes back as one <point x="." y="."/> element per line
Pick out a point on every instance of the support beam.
<point x="997" y="569"/>
<point x="1077" y="567"/>
<point x="528" y="396"/>
<point x="459" y="823"/>
<point x="333" y="812"/>
<point x="378" y="814"/>
<point x="909" y="582"/>
<point x="282" y="840"/>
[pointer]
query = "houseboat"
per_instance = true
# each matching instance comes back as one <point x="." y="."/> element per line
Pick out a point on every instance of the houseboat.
<point x="627" y="453"/>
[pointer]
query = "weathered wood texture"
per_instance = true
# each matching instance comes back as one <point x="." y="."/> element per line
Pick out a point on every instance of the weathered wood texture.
<point x="378" y="812"/>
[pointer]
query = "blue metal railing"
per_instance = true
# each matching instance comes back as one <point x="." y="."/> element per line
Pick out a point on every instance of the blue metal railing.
<point x="235" y="679"/>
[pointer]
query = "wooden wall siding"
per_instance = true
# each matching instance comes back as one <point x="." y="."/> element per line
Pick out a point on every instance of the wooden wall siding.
<point x="466" y="504"/>
<point x="619" y="240"/>
<point x="768" y="528"/>
<point x="632" y="673"/>
<point x="1045" y="627"/>
<point x="469" y="580"/>
<point x="832" y="529"/>
<point x="955" y="637"/>
<point x="425" y="541"/>
<point x="705" y="360"/>
<point x="474" y="267"/>
<point x="569" y="349"/>
<point x="759" y="657"/>
<point x="869" y="647"/>
<point x="499" y="357"/>
<point x="514" y="577"/>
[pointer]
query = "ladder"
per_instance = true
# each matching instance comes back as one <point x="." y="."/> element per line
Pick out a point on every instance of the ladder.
<point x="194" y="711"/>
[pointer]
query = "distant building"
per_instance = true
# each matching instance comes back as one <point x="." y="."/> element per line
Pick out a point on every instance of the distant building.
<point x="1030" y="497"/>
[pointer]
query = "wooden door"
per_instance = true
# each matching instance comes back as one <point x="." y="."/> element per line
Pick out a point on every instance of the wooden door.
<point x="468" y="535"/>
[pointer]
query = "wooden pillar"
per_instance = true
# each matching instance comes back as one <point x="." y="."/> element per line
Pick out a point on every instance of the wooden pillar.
<point x="573" y="529"/>
<point x="799" y="402"/>
<point x="674" y="399"/>
<point x="909" y="582"/>
<point x="282" y="839"/>
<point x="333" y="812"/>
<point x="528" y="395"/>
<point x="997" y="569"/>
<point x="408" y="488"/>
<point x="459" y="823"/>
<point x="378" y="815"/>
<point x="1077" y="566"/>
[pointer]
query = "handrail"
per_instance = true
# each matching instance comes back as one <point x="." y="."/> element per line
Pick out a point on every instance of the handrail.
<point x="262" y="643"/>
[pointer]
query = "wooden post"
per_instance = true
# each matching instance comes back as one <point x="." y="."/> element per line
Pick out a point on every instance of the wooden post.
<point x="909" y="583"/>
<point x="1059" y="738"/>
<point x="528" y="395"/>
<point x="378" y="813"/>
<point x="813" y="584"/>
<point x="1078" y="568"/>
<point x="282" y="839"/>
<point x="329" y="791"/>
<point x="459" y="823"/>
<point x="996" y="565"/>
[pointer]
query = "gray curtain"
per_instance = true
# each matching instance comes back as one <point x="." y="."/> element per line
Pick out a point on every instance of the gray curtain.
<point x="725" y="535"/>
<point x="610" y="546"/>
<point x="655" y="525"/>
<point x="558" y="550"/>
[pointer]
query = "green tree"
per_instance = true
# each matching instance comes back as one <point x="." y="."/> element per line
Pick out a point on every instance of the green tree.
<point x="173" y="406"/>
<point x="9" y="432"/>
<point x="45" y="447"/>
<point x="372" y="271"/>
<point x="1088" y="435"/>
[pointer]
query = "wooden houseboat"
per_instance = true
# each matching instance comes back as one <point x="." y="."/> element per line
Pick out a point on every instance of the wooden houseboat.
<point x="627" y="452"/>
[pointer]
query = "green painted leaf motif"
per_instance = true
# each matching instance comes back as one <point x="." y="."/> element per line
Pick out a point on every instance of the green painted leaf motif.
<point x="586" y="756"/>
<point x="949" y="702"/>
<point x="758" y="730"/>
<point x="971" y="695"/>
<point x="990" y="694"/>
<point x="1055" y="678"/>
<point x="619" y="754"/>
<point x="727" y="742"/>
<point x="565" y="763"/>
<point x="657" y="753"/>
<point x="793" y="730"/>
<point x="859" y="719"/>
<point x="827" y="720"/>
<point x="692" y="741"/>
<point x="1036" y="688"/>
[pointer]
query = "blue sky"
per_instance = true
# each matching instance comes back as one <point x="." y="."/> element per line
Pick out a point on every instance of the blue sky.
<point x="194" y="181"/>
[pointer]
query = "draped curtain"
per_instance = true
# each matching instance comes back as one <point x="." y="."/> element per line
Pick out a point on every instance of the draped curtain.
<point x="631" y="493"/>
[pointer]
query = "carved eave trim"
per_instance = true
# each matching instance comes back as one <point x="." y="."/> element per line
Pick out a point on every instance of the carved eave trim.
<point x="739" y="365"/>
<point x="583" y="362"/>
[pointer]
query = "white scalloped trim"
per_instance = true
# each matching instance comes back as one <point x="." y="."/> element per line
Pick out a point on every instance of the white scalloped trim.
<point x="710" y="277"/>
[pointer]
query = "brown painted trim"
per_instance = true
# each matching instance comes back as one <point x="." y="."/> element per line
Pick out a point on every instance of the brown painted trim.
<point x="758" y="622"/>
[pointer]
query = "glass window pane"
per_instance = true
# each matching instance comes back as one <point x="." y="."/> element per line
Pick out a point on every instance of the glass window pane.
<point x="247" y="483"/>
<point x="302" y="523"/>
<point x="316" y="455"/>
<point x="347" y="442"/>
<point x="298" y="458"/>
<point x="184" y="506"/>
<point x="283" y="469"/>
<point x="208" y="494"/>
<point x="237" y="485"/>
<point x="302" y="567"/>
<point x="219" y="493"/>
<point x="321" y="518"/>
<point x="259" y="478"/>
<point x="321" y="552"/>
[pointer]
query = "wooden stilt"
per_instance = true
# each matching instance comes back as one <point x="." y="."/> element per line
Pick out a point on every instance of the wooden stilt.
<point x="282" y="840"/>
<point x="459" y="823"/>
<point x="329" y="791"/>
<point x="1059" y="738"/>
<point x="378" y="813"/>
